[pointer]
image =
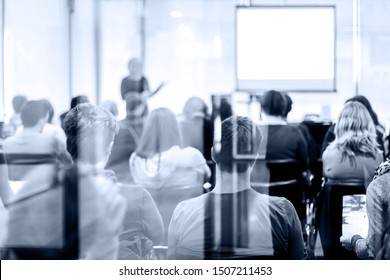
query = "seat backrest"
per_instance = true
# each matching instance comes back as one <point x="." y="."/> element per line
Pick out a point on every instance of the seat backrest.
<point x="168" y="197"/>
<point x="281" y="178"/>
<point x="65" y="190"/>
<point x="20" y="164"/>
<point x="329" y="213"/>
<point x="278" y="171"/>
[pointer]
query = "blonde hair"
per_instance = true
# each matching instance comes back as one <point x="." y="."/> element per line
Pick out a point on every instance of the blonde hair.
<point x="160" y="133"/>
<point x="355" y="132"/>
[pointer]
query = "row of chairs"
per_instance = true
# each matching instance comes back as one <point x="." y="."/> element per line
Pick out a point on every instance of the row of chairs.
<point x="278" y="178"/>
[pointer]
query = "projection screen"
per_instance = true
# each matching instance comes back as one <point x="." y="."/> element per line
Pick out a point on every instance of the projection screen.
<point x="289" y="48"/>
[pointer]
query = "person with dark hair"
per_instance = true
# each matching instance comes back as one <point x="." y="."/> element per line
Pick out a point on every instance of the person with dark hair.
<point x="126" y="141"/>
<point x="288" y="105"/>
<point x="281" y="141"/>
<point x="233" y="220"/>
<point x="91" y="130"/>
<point x="225" y="109"/>
<point x="79" y="99"/>
<point x="30" y="139"/>
<point x="380" y="131"/>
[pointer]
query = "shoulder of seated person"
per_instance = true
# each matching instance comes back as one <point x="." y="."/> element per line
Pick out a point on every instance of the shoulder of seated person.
<point x="130" y="187"/>
<point x="194" y="202"/>
<point x="192" y="153"/>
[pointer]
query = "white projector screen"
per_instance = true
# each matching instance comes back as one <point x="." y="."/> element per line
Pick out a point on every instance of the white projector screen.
<point x="289" y="48"/>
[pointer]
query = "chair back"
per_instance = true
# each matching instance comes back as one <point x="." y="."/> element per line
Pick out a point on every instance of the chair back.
<point x="329" y="216"/>
<point x="65" y="189"/>
<point x="280" y="178"/>
<point x="168" y="197"/>
<point x="20" y="164"/>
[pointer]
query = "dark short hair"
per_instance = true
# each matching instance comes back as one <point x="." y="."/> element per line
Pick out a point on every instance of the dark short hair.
<point x="78" y="100"/>
<point x="90" y="130"/>
<point x="248" y="136"/>
<point x="288" y="105"/>
<point x="273" y="103"/>
<point x="18" y="102"/>
<point x="32" y="111"/>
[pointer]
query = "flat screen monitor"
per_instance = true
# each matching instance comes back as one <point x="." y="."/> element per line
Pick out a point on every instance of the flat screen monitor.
<point x="287" y="48"/>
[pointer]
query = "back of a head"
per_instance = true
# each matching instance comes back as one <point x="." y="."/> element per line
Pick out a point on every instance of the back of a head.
<point x="273" y="103"/>
<point x="288" y="105"/>
<point x="355" y="130"/>
<point x="78" y="100"/>
<point x="161" y="133"/>
<point x="225" y="109"/>
<point x="18" y="102"/>
<point x="195" y="106"/>
<point x="242" y="135"/>
<point x="90" y="130"/>
<point x="32" y="112"/>
<point x="49" y="109"/>
<point x="364" y="101"/>
<point x="135" y="105"/>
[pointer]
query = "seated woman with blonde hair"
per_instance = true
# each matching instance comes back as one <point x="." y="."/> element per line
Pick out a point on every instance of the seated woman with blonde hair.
<point x="171" y="173"/>
<point x="355" y="153"/>
<point x="159" y="160"/>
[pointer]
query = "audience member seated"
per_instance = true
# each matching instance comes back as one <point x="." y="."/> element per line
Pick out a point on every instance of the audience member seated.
<point x="31" y="141"/>
<point x="355" y="153"/>
<point x="283" y="142"/>
<point x="351" y="157"/>
<point x="377" y="244"/>
<point x="36" y="218"/>
<point x="91" y="130"/>
<point x="38" y="223"/>
<point x="49" y="128"/>
<point x="73" y="103"/>
<point x="233" y="220"/>
<point x="15" y="121"/>
<point x="196" y="126"/>
<point x="165" y="168"/>
<point x="160" y="161"/>
<point x="380" y="131"/>
<point x="126" y="141"/>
